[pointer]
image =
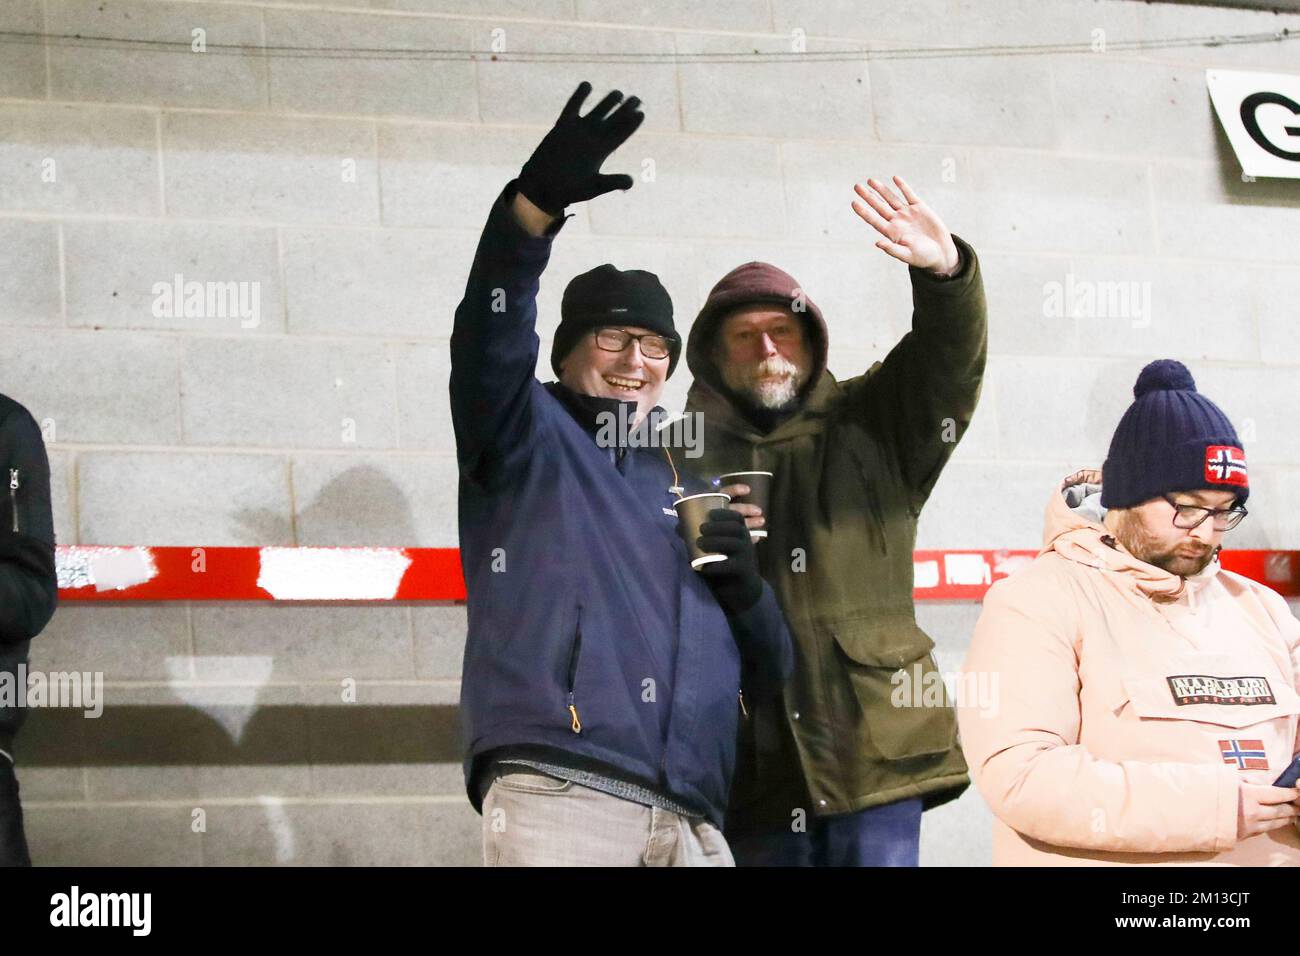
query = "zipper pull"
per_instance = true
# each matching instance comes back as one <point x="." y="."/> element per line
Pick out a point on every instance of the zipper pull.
<point x="13" y="495"/>
<point x="13" y="479"/>
<point x="742" y="703"/>
<point x="576" y="724"/>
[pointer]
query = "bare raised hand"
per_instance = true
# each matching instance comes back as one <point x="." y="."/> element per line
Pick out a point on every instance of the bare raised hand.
<point x="911" y="231"/>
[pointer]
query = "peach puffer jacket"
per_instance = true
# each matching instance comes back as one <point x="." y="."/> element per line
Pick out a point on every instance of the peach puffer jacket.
<point x="1128" y="702"/>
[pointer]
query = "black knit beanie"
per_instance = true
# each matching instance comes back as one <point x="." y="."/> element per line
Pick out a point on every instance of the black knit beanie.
<point x="610" y="296"/>
<point x="1172" y="438"/>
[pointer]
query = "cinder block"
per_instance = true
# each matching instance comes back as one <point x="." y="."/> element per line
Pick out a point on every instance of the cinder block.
<point x="996" y="101"/>
<point x="183" y="499"/>
<point x="374" y="282"/>
<point x="739" y="16"/>
<point x="1277" y="311"/>
<point x="343" y="833"/>
<point x="1172" y="20"/>
<point x="423" y="396"/>
<point x="374" y="83"/>
<point x="1021" y="22"/>
<point x="311" y="642"/>
<point x="270" y="168"/>
<point x="1206" y="210"/>
<point x="22" y="71"/>
<point x="29" y="273"/>
<point x="63" y="494"/>
<point x="959" y="515"/>
<point x="533" y="94"/>
<point x="407" y="735"/>
<point x="1021" y="291"/>
<point x="1149" y="308"/>
<point x="1042" y="202"/>
<point x="532" y="9"/>
<point x="886" y="23"/>
<point x="124" y="642"/>
<point x="112" y="835"/>
<point x="198" y="742"/>
<point x="1098" y="112"/>
<point x="814" y="97"/>
<point x="81" y="160"/>
<point x="124" y="275"/>
<point x="702" y="187"/>
<point x="381" y="501"/>
<point x="449" y="176"/>
<point x="1260" y="403"/>
<point x="440" y="632"/>
<point x="288" y="393"/>
<point x="819" y="180"/>
<point x="101" y="387"/>
<point x="165" y="68"/>
<point x="1058" y="411"/>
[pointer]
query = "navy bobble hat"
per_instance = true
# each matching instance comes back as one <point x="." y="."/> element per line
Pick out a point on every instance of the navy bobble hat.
<point x="606" y="295"/>
<point x="1172" y="438"/>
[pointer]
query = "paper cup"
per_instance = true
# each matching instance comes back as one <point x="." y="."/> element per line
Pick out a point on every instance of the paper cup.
<point x="760" y="493"/>
<point x="693" y="510"/>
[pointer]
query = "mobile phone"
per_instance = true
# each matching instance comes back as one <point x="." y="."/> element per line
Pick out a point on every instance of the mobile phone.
<point x="1290" y="775"/>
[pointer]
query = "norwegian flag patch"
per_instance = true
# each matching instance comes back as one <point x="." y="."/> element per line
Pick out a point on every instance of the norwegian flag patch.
<point x="1225" y="465"/>
<point x="1244" y="754"/>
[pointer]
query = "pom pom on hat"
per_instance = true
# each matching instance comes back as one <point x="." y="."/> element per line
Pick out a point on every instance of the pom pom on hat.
<point x="1166" y="375"/>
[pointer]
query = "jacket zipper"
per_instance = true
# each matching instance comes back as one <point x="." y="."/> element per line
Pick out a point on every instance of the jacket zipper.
<point x="13" y="495"/>
<point x="576" y="723"/>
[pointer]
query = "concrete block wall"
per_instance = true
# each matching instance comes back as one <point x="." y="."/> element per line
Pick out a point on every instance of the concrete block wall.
<point x="351" y="193"/>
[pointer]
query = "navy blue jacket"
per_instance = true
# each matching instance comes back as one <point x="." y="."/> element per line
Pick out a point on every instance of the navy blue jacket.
<point x="588" y="630"/>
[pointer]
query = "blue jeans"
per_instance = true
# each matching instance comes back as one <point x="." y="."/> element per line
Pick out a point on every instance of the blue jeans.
<point x="13" y="844"/>
<point x="888" y="835"/>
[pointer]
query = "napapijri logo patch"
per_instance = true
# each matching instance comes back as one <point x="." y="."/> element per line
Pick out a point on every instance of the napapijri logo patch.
<point x="1206" y="689"/>
<point x="1225" y="465"/>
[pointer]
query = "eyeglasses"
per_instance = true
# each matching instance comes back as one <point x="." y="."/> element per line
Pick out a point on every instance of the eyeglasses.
<point x="1188" y="517"/>
<point x="652" y="346"/>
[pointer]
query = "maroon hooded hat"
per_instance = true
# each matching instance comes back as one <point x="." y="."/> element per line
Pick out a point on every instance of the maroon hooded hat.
<point x="751" y="284"/>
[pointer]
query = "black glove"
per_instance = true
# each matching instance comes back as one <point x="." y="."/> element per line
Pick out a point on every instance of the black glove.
<point x="565" y="167"/>
<point x="735" y="582"/>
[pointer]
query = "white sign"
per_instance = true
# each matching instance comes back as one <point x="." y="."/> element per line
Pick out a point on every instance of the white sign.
<point x="1260" y="112"/>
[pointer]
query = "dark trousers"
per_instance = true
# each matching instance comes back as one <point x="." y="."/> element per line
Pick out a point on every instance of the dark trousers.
<point x="13" y="844"/>
<point x="888" y="835"/>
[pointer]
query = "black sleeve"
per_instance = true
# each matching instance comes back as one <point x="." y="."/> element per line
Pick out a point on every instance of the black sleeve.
<point x="766" y="650"/>
<point x="28" y="583"/>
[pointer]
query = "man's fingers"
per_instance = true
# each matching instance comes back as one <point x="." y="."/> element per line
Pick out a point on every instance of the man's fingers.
<point x="737" y="490"/>
<point x="575" y="101"/>
<point x="608" y="182"/>
<point x="907" y="190"/>
<point x="718" y="544"/>
<point x="871" y="218"/>
<point x="602" y="109"/>
<point x="1264" y="826"/>
<point x="882" y="208"/>
<point x="889" y="195"/>
<point x="1266" y="794"/>
<point x="901" y="253"/>
<point x="748" y="510"/>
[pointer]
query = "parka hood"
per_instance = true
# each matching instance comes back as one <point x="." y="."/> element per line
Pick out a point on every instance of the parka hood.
<point x="751" y="284"/>
<point x="1073" y="528"/>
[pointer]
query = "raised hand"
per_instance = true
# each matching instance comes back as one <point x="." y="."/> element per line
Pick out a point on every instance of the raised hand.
<point x="912" y="232"/>
<point x="565" y="167"/>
